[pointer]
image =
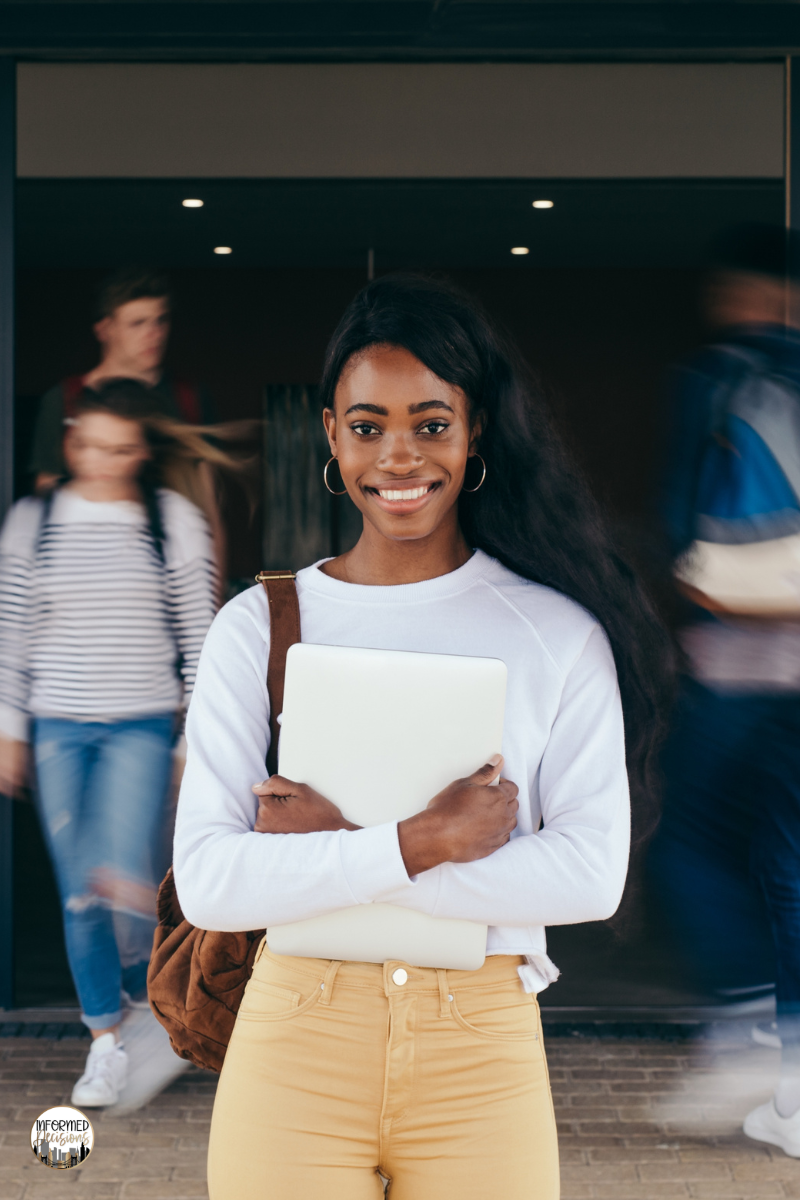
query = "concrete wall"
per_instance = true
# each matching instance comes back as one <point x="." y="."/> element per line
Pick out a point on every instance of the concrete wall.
<point x="401" y="120"/>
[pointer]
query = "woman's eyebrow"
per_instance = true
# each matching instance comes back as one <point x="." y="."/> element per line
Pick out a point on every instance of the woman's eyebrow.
<point x="427" y="404"/>
<point x="380" y="411"/>
<point x="377" y="409"/>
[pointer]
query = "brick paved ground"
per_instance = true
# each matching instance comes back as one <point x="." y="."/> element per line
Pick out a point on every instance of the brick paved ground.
<point x="638" y="1119"/>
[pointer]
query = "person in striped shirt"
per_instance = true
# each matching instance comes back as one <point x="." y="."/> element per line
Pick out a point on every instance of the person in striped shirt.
<point x="107" y="589"/>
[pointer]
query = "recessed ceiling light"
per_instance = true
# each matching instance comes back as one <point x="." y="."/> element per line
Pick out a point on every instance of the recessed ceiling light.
<point x="543" y="204"/>
<point x="192" y="203"/>
<point x="520" y="250"/>
<point x="227" y="250"/>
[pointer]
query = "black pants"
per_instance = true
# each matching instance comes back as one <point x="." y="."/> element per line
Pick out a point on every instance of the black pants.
<point x="726" y="860"/>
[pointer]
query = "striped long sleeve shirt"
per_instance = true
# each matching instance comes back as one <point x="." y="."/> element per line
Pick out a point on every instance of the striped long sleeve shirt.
<point x="93" y="626"/>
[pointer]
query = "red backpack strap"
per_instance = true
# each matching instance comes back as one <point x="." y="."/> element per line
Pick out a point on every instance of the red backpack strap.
<point x="284" y="631"/>
<point x="71" y="388"/>
<point x="188" y="398"/>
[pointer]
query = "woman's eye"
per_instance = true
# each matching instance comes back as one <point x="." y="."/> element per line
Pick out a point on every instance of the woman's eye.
<point x="363" y="429"/>
<point x="434" y="427"/>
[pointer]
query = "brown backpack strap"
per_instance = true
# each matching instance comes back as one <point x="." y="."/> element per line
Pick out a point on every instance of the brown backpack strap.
<point x="284" y="631"/>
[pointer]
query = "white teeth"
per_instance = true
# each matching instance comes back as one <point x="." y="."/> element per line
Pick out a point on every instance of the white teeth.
<point x="405" y="494"/>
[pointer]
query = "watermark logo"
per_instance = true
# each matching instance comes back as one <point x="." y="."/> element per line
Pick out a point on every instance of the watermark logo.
<point x="62" y="1138"/>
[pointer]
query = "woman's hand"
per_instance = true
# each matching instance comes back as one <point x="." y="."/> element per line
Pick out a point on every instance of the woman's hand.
<point x="286" y="807"/>
<point x="468" y="820"/>
<point x="13" y="766"/>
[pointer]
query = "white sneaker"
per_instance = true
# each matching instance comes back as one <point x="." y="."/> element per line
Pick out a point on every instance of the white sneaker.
<point x="105" y="1075"/>
<point x="153" y="1062"/>
<point x="765" y="1124"/>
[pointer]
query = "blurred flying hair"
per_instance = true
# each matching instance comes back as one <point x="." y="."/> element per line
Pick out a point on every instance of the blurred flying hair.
<point x="758" y="249"/>
<point x="534" y="512"/>
<point x="180" y="454"/>
<point x="130" y="283"/>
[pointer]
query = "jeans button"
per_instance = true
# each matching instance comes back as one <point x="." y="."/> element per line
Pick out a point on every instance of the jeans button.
<point x="400" y="976"/>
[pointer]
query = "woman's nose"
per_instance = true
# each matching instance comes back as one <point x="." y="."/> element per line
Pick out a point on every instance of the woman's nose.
<point x="399" y="453"/>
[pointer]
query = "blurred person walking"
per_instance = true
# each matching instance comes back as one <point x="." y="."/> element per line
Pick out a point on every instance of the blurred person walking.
<point x="106" y="594"/>
<point x="133" y="316"/>
<point x="727" y="857"/>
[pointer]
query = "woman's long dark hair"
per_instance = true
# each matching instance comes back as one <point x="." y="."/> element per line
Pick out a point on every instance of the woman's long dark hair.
<point x="534" y="512"/>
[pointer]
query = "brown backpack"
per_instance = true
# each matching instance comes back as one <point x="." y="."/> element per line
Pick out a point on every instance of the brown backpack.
<point x="196" y="977"/>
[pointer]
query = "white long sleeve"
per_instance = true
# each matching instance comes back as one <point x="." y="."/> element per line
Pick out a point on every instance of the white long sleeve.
<point x="563" y="746"/>
<point x="228" y="877"/>
<point x="574" y="868"/>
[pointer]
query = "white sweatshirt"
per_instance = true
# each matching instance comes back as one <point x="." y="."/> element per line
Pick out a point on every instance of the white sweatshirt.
<point x="563" y="746"/>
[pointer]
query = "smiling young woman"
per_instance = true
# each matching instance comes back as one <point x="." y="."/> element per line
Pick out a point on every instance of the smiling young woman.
<point x="403" y="460"/>
<point x="478" y="539"/>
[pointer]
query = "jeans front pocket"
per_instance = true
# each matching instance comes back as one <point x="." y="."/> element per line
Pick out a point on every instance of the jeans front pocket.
<point x="503" y="1014"/>
<point x="271" y="996"/>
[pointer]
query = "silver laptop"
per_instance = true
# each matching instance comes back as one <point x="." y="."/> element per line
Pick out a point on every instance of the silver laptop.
<point x="380" y="732"/>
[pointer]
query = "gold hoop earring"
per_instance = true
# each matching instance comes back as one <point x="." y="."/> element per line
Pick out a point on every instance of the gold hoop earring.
<point x="325" y="477"/>
<point x="480" y="481"/>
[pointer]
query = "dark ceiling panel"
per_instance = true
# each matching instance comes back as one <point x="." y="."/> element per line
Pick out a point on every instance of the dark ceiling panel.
<point x="602" y="27"/>
<point x="274" y="24"/>
<point x="408" y="223"/>
<point x="395" y="29"/>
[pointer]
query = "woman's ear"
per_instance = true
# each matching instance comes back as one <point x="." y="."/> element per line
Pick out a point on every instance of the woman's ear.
<point x="476" y="433"/>
<point x="329" y="421"/>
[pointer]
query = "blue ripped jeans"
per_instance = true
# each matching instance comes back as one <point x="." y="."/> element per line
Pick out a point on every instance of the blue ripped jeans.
<point x="102" y="790"/>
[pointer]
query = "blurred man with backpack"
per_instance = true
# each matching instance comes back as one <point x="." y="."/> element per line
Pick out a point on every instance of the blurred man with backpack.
<point x="132" y="325"/>
<point x="727" y="857"/>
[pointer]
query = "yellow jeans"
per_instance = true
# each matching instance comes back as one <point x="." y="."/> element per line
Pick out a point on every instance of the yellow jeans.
<point x="338" y="1073"/>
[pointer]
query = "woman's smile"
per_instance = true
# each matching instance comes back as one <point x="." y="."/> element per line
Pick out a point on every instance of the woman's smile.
<point x="402" y="495"/>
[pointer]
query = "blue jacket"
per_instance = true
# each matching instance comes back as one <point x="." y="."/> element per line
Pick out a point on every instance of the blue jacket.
<point x="696" y="389"/>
